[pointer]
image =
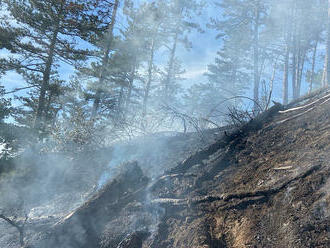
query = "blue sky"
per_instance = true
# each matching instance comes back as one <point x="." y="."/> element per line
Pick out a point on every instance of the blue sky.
<point x="195" y="61"/>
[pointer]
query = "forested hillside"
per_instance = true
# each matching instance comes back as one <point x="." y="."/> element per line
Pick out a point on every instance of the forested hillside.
<point x="183" y="99"/>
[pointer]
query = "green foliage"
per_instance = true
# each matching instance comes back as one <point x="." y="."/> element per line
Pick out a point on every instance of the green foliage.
<point x="51" y="32"/>
<point x="7" y="38"/>
<point x="5" y="105"/>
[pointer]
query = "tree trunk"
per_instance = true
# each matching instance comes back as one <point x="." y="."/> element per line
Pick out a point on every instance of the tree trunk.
<point x="46" y="73"/>
<point x="271" y="86"/>
<point x="313" y="68"/>
<point x="324" y="74"/>
<point x="130" y="84"/>
<point x="171" y="66"/>
<point x="301" y="71"/>
<point x="49" y="102"/>
<point x="288" y="24"/>
<point x="327" y="57"/>
<point x="256" y="57"/>
<point x="301" y="55"/>
<point x="294" y="49"/>
<point x="286" y="76"/>
<point x="294" y="68"/>
<point x="20" y="228"/>
<point x="297" y="70"/>
<point x="105" y="61"/>
<point x="150" y="71"/>
<point x="131" y="76"/>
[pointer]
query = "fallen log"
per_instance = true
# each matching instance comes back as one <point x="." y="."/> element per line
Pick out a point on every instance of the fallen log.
<point x="82" y="227"/>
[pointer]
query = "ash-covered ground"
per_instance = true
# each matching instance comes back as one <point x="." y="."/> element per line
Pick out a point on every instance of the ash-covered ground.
<point x="47" y="188"/>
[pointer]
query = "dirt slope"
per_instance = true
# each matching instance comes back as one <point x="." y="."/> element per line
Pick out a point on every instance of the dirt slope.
<point x="264" y="185"/>
<point x="265" y="188"/>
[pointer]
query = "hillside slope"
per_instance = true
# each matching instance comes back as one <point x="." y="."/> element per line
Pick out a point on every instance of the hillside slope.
<point x="263" y="185"/>
<point x="264" y="188"/>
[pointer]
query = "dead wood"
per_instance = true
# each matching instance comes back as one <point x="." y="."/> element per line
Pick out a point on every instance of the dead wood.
<point x="283" y="168"/>
<point x="301" y="114"/>
<point x="251" y="126"/>
<point x="259" y="193"/>
<point x="306" y="105"/>
<point x="244" y="198"/>
<point x="82" y="227"/>
<point x="20" y="228"/>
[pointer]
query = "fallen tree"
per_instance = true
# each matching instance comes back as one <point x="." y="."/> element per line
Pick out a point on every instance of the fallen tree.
<point x="82" y="227"/>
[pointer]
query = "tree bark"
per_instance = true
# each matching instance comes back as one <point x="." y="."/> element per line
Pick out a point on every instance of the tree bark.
<point x="300" y="72"/>
<point x="49" y="102"/>
<point x="286" y="76"/>
<point x="313" y="67"/>
<point x="294" y="68"/>
<point x="271" y="86"/>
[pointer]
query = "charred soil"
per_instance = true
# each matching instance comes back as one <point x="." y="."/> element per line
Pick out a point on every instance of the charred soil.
<point x="266" y="184"/>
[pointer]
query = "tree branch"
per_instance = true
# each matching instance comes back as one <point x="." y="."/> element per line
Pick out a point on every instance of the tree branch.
<point x="20" y="228"/>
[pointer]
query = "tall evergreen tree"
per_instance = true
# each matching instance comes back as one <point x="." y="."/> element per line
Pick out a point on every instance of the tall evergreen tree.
<point x="5" y="105"/>
<point x="246" y="17"/>
<point x="106" y="47"/>
<point x="296" y="27"/>
<point x="180" y="15"/>
<point x="50" y="29"/>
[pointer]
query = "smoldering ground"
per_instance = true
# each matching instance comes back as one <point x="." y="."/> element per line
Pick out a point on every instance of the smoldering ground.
<point x="48" y="186"/>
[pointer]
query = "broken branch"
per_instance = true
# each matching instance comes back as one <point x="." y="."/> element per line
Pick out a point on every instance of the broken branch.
<point x="20" y="228"/>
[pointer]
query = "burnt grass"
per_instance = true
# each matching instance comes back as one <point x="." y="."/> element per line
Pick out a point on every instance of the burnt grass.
<point x="265" y="184"/>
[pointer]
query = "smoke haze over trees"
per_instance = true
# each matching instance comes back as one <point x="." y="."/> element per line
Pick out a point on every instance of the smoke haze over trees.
<point x="79" y="79"/>
<point x="126" y="64"/>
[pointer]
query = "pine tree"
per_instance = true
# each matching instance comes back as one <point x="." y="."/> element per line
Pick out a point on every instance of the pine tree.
<point x="25" y="114"/>
<point x="244" y="17"/>
<point x="296" y="27"/>
<point x="5" y="105"/>
<point x="123" y="59"/>
<point x="50" y="29"/>
<point x="133" y="48"/>
<point x="180" y="14"/>
<point x="105" y="51"/>
<point x="7" y="38"/>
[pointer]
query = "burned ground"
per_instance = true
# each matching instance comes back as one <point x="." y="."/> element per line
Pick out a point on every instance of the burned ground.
<point x="265" y="188"/>
<point x="265" y="184"/>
